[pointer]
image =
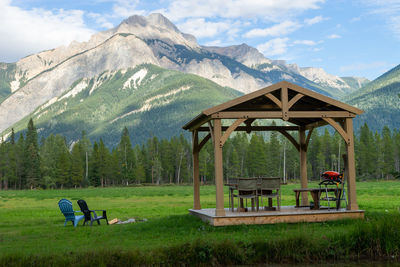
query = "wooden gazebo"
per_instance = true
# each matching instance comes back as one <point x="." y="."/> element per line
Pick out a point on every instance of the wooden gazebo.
<point x="302" y="108"/>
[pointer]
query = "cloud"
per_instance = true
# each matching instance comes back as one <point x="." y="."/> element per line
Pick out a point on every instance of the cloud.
<point x="270" y="10"/>
<point x="305" y="42"/>
<point x="126" y="8"/>
<point x="25" y="32"/>
<point x="366" y="66"/>
<point x="389" y="10"/>
<point x="201" y="28"/>
<point x="274" y="47"/>
<point x="314" y="20"/>
<point x="334" y="36"/>
<point x="280" y="29"/>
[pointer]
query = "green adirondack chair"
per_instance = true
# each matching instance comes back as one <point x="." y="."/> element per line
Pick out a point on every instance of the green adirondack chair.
<point x="66" y="209"/>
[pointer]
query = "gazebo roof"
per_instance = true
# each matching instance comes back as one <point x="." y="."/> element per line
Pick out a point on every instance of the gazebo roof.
<point x="282" y="100"/>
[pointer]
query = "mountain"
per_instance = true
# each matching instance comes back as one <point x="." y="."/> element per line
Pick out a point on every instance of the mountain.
<point x="149" y="100"/>
<point x="380" y="99"/>
<point x="39" y="81"/>
<point x="252" y="58"/>
<point x="355" y="82"/>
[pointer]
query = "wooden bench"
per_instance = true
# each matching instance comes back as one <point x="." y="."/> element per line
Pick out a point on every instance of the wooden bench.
<point x="316" y="195"/>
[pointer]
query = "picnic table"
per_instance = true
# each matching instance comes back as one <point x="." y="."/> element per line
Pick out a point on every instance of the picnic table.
<point x="316" y="196"/>
<point x="233" y="185"/>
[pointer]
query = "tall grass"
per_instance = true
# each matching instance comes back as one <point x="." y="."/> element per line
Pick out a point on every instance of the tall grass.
<point x="32" y="231"/>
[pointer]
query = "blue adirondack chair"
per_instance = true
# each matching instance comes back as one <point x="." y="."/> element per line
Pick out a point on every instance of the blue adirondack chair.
<point x="66" y="209"/>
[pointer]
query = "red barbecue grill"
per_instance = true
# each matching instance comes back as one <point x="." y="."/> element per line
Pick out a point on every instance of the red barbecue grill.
<point x="332" y="178"/>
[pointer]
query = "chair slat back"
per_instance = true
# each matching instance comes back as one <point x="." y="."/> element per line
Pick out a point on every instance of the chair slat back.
<point x="270" y="183"/>
<point x="84" y="208"/>
<point x="66" y="208"/>
<point x="247" y="184"/>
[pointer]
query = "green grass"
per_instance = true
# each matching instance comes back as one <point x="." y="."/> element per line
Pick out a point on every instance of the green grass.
<point x="32" y="225"/>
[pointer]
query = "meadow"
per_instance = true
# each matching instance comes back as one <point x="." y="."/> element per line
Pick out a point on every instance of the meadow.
<point x="32" y="230"/>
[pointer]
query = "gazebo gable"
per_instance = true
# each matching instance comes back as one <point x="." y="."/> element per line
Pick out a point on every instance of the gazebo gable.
<point x="283" y="95"/>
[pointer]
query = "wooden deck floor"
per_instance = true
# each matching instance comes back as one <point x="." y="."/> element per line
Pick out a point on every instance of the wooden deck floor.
<point x="287" y="214"/>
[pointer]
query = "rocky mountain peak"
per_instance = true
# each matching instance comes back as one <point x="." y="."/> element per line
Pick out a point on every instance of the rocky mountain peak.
<point x="154" y="19"/>
<point x="155" y="26"/>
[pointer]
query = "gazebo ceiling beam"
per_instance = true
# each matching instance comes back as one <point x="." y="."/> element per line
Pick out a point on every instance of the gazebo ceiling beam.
<point x="255" y="128"/>
<point x="278" y="114"/>
<point x="294" y="100"/>
<point x="274" y="99"/>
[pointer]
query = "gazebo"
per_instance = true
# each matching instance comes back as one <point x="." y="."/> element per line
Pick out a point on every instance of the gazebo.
<point x="304" y="110"/>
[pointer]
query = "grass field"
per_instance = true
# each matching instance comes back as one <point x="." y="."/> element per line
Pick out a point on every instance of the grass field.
<point x="31" y="228"/>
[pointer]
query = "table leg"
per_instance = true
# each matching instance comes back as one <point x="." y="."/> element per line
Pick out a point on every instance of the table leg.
<point x="297" y="195"/>
<point x="338" y="196"/>
<point x="315" y="196"/>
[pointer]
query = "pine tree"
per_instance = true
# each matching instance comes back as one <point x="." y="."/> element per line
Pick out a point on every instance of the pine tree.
<point x="388" y="152"/>
<point x="77" y="171"/>
<point x="31" y="157"/>
<point x="125" y="152"/>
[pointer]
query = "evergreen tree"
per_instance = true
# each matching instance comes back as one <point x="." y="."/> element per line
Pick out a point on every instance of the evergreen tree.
<point x="31" y="157"/>
<point x="77" y="171"/>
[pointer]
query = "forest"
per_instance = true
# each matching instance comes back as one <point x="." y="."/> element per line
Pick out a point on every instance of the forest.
<point x="48" y="163"/>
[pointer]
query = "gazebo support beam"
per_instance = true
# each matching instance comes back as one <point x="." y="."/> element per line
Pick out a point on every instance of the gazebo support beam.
<point x="278" y="114"/>
<point x="219" y="182"/>
<point x="351" y="169"/>
<point x="303" y="165"/>
<point x="196" y="173"/>
<point x="230" y="130"/>
<point x="255" y="128"/>
<point x="338" y="128"/>
<point x="290" y="138"/>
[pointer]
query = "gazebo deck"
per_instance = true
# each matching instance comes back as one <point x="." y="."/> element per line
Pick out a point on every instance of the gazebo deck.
<point x="287" y="214"/>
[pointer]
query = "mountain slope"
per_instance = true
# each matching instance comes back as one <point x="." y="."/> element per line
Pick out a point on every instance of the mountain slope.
<point x="149" y="100"/>
<point x="7" y="73"/>
<point x="137" y="40"/>
<point x="380" y="99"/>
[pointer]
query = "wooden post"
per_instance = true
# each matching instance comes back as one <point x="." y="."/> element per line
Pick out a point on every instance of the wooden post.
<point x="196" y="176"/>
<point x="303" y="165"/>
<point x="351" y="169"/>
<point x="219" y="182"/>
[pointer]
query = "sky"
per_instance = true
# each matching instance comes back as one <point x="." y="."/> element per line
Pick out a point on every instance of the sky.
<point x="345" y="38"/>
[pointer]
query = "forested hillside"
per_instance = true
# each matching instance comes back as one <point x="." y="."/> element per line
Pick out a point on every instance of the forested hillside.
<point x="26" y="162"/>
<point x="148" y="100"/>
<point x="380" y="99"/>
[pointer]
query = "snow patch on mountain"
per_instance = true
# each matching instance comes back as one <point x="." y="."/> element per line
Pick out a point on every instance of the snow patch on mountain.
<point x="76" y="90"/>
<point x="135" y="80"/>
<point x="148" y="104"/>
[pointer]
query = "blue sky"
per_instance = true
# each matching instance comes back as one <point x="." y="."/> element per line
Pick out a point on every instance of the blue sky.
<point x="346" y="38"/>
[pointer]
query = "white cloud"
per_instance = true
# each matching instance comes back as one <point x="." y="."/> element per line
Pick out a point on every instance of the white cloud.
<point x="24" y="32"/>
<point x="280" y="29"/>
<point x="214" y="43"/>
<point x="314" y="20"/>
<point x="366" y="66"/>
<point x="305" y="42"/>
<point x="126" y="8"/>
<point x="269" y="10"/>
<point x="101" y="20"/>
<point x="274" y="47"/>
<point x="334" y="36"/>
<point x="389" y="10"/>
<point x="201" y="28"/>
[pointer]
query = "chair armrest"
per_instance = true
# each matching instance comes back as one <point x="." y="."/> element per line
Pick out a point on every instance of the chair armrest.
<point x="78" y="211"/>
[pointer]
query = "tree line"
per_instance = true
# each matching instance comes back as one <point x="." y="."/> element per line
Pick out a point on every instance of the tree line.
<point x="26" y="162"/>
